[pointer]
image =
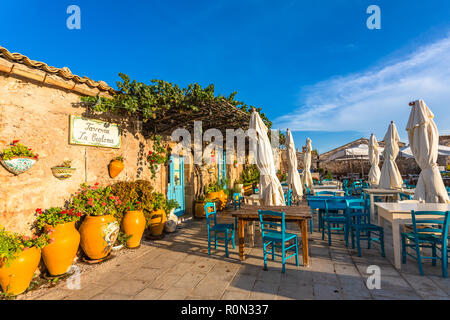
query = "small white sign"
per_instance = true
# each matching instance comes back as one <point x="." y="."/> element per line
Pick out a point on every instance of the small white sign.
<point x="90" y="132"/>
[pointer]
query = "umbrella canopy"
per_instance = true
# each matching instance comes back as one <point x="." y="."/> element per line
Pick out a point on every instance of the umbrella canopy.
<point x="407" y="152"/>
<point x="424" y="139"/>
<point x="270" y="187"/>
<point x="306" y="176"/>
<point x="390" y="176"/>
<point x="293" y="178"/>
<point x="374" y="158"/>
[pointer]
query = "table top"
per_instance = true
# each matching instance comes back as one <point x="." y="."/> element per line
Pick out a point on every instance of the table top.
<point x="323" y="186"/>
<point x="330" y="190"/>
<point x="294" y="212"/>
<point x="407" y="207"/>
<point x="382" y="191"/>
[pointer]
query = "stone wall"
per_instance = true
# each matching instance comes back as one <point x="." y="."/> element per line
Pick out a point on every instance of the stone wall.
<point x="38" y="116"/>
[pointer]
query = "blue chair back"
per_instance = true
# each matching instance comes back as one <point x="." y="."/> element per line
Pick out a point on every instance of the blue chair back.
<point x="404" y="196"/>
<point x="272" y="225"/>
<point x="335" y="205"/>
<point x="210" y="213"/>
<point x="424" y="224"/>
<point x="326" y="193"/>
<point x="359" y="210"/>
<point x="237" y="200"/>
<point x="288" y="197"/>
<point x="317" y="203"/>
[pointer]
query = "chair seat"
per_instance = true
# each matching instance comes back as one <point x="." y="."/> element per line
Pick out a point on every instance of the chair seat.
<point x="222" y="227"/>
<point x="422" y="237"/>
<point x="368" y="226"/>
<point x="273" y="236"/>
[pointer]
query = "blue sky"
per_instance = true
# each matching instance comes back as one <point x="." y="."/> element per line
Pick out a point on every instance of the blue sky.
<point x="313" y="66"/>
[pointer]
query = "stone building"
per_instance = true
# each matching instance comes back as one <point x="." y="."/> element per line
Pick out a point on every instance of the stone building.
<point x="36" y="102"/>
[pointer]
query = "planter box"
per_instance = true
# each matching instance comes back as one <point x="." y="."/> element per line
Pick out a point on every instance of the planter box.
<point x="18" y="165"/>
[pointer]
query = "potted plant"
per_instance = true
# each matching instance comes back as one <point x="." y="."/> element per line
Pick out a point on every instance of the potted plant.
<point x="158" y="216"/>
<point x="157" y="156"/>
<point x="59" y="223"/>
<point x="63" y="171"/>
<point x="99" y="229"/>
<point x="133" y="223"/>
<point x="238" y="185"/>
<point x="172" y="219"/>
<point x="19" y="259"/>
<point x="199" y="209"/>
<point x="18" y="158"/>
<point x="121" y="241"/>
<point x="116" y="166"/>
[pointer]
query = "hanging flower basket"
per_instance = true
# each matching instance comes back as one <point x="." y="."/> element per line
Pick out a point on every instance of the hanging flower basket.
<point x="18" y="165"/>
<point x="63" y="173"/>
<point x="18" y="158"/>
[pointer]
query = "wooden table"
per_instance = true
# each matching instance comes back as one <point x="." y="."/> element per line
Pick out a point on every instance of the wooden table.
<point x="399" y="214"/>
<point x="298" y="214"/>
<point x="372" y="192"/>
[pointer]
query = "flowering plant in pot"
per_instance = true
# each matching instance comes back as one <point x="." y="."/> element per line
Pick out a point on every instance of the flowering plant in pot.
<point x="158" y="216"/>
<point x="19" y="259"/>
<point x="172" y="219"/>
<point x="63" y="171"/>
<point x="99" y="229"/>
<point x="18" y="158"/>
<point x="157" y="156"/>
<point x="116" y="166"/>
<point x="59" y="223"/>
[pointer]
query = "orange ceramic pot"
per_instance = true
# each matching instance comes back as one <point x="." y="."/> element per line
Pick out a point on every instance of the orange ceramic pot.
<point x="58" y="256"/>
<point x="157" y="222"/>
<point x="134" y="224"/>
<point x="98" y="234"/>
<point x="16" y="277"/>
<point x="200" y="209"/>
<point x="223" y="199"/>
<point x="115" y="167"/>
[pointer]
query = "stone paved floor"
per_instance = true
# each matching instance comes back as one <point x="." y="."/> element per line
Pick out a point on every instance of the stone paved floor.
<point x="178" y="267"/>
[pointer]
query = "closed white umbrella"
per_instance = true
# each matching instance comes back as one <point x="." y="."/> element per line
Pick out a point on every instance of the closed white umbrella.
<point x="306" y="176"/>
<point x="424" y="140"/>
<point x="390" y="176"/>
<point x="270" y="187"/>
<point x="374" y="159"/>
<point x="293" y="178"/>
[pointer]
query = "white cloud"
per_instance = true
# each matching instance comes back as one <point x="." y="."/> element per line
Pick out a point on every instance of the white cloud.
<point x="367" y="101"/>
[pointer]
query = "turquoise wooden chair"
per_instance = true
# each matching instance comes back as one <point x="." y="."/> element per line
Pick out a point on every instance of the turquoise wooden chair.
<point x="308" y="190"/>
<point x="288" y="197"/>
<point x="237" y="200"/>
<point x="270" y="222"/>
<point x="335" y="219"/>
<point x="429" y="233"/>
<point x="216" y="229"/>
<point x="318" y="206"/>
<point x="358" y="215"/>
<point x="404" y="196"/>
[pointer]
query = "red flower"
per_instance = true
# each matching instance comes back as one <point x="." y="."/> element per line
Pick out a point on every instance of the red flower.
<point x="103" y="203"/>
<point x="15" y="141"/>
<point x="96" y="184"/>
<point x="78" y="214"/>
<point x="26" y="238"/>
<point x="64" y="212"/>
<point x="35" y="237"/>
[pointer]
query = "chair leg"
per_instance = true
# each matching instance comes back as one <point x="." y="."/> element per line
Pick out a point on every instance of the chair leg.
<point x="273" y="250"/>
<point x="283" y="255"/>
<point x="233" y="238"/>
<point x="368" y="239"/>
<point x="383" y="253"/>
<point x="296" y="251"/>
<point x="444" y="263"/>
<point x="419" y="259"/>
<point x="209" y="244"/>
<point x="403" y="249"/>
<point x="215" y="240"/>
<point x="311" y="223"/>
<point x="265" y="256"/>
<point x="226" y="244"/>
<point x="329" y="233"/>
<point x="323" y="231"/>
<point x="352" y="234"/>
<point x="433" y="250"/>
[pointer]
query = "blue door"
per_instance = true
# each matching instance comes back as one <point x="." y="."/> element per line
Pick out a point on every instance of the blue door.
<point x="222" y="167"/>
<point x="175" y="188"/>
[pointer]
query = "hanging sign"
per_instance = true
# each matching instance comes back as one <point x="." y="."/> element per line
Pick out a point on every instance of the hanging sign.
<point x="90" y="132"/>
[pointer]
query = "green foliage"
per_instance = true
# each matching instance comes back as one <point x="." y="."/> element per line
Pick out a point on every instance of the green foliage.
<point x="122" y="238"/>
<point x="119" y="158"/>
<point x="65" y="164"/>
<point x="95" y="201"/>
<point x="212" y="187"/>
<point x="171" y="204"/>
<point x="11" y="244"/>
<point x="158" y="155"/>
<point x="54" y="216"/>
<point x="159" y="201"/>
<point x="18" y="150"/>
<point x="149" y="100"/>
<point x="281" y="176"/>
<point x="132" y="192"/>
<point x="250" y="175"/>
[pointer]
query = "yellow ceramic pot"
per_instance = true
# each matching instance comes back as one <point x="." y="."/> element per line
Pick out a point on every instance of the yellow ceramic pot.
<point x="58" y="256"/>
<point x="134" y="224"/>
<point x="16" y="277"/>
<point x="223" y="199"/>
<point x="115" y="167"/>
<point x="98" y="234"/>
<point x="200" y="209"/>
<point x="157" y="222"/>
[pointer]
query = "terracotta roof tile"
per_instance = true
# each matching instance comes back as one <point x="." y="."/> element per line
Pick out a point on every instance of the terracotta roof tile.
<point x="62" y="72"/>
